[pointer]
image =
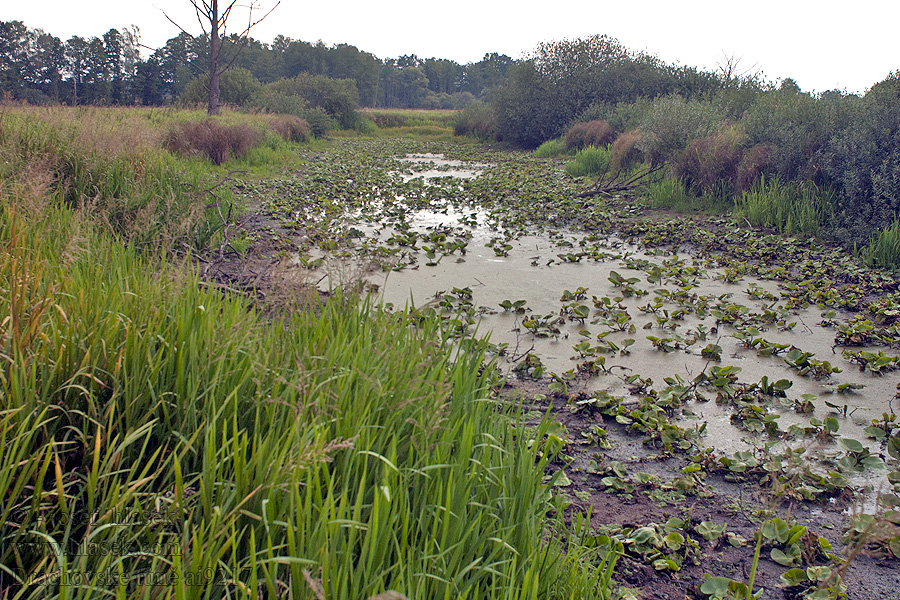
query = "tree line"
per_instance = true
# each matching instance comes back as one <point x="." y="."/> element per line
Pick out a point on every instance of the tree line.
<point x="40" y="68"/>
<point x="824" y="163"/>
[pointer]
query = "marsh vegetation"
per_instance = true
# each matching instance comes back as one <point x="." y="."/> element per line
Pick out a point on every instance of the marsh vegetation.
<point x="304" y="350"/>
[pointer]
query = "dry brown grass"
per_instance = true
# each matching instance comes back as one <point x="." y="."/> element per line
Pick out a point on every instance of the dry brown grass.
<point x="625" y="153"/>
<point x="711" y="162"/>
<point x="754" y="164"/>
<point x="595" y="133"/>
<point x="212" y="139"/>
<point x="289" y="127"/>
<point x="111" y="131"/>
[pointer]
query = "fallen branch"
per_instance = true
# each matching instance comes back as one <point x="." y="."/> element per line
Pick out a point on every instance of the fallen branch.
<point x="616" y="184"/>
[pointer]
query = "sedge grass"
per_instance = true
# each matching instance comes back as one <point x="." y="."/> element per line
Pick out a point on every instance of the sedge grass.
<point x="789" y="208"/>
<point x="551" y="149"/>
<point x="162" y="440"/>
<point x="590" y="161"/>
<point x="884" y="249"/>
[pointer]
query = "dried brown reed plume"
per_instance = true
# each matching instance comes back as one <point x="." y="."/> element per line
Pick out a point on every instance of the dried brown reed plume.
<point x="595" y="133"/>
<point x="289" y="127"/>
<point x="625" y="153"/>
<point x="709" y="162"/>
<point x="212" y="139"/>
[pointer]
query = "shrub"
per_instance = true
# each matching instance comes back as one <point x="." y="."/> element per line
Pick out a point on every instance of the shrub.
<point x="625" y="151"/>
<point x="797" y="127"/>
<point x="551" y="149"/>
<point x="337" y="97"/>
<point x="280" y="103"/>
<point x="290" y="127"/>
<point x="478" y="120"/>
<point x="673" y="123"/>
<point x="593" y="133"/>
<point x="212" y="139"/>
<point x="754" y="164"/>
<point x="621" y="116"/>
<point x="562" y="79"/>
<point x="236" y="86"/>
<point x="589" y="161"/>
<point x="270" y="100"/>
<point x="709" y="165"/>
<point x="363" y="124"/>
<point x="863" y="161"/>
<point x="320" y="122"/>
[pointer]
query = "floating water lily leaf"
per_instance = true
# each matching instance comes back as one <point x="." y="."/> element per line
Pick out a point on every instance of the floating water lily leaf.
<point x="850" y="445"/>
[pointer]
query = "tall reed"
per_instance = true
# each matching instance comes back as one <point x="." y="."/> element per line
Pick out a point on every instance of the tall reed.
<point x="161" y="440"/>
<point x="884" y="249"/>
<point x="791" y="208"/>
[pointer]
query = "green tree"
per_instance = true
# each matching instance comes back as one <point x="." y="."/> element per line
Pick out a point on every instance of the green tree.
<point x="48" y="63"/>
<point x="14" y="65"/>
<point x="442" y="75"/>
<point x="561" y="79"/>
<point x="337" y="97"/>
<point x="236" y="86"/>
<point x="76" y="53"/>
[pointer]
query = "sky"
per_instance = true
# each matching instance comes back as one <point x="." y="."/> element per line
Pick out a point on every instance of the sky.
<point x="821" y="44"/>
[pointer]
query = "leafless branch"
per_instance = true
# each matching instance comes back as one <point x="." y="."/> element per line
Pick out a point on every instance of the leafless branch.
<point x="244" y="37"/>
<point x="172" y="21"/>
<point x="616" y="184"/>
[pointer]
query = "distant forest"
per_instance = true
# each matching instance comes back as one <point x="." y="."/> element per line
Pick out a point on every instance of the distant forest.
<point x="40" y="68"/>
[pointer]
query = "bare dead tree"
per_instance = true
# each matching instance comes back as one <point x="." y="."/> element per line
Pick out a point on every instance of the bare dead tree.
<point x="214" y="24"/>
<point x="732" y="70"/>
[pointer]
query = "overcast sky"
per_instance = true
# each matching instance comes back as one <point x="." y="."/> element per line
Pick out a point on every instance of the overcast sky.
<point x="821" y="44"/>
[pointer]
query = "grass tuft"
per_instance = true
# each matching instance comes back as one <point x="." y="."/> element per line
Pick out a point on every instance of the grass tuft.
<point x="884" y="249"/>
<point x="551" y="149"/>
<point x="590" y="161"/>
<point x="214" y="140"/>
<point x="792" y="208"/>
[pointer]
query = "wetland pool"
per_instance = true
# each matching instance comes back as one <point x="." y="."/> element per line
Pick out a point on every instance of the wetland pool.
<point x="595" y="315"/>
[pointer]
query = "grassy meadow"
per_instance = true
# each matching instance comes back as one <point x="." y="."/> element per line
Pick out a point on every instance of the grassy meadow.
<point x="161" y="439"/>
<point x="425" y="123"/>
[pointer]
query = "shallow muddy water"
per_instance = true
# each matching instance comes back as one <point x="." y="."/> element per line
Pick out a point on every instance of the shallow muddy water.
<point x="653" y="294"/>
<point x="430" y="166"/>
<point x="494" y="279"/>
